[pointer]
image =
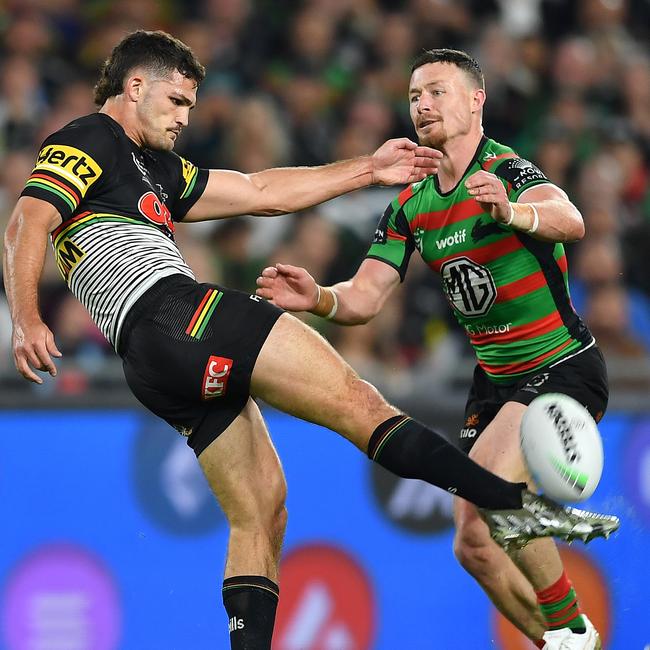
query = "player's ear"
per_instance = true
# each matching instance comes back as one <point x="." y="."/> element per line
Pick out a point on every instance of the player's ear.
<point x="478" y="99"/>
<point x="133" y="87"/>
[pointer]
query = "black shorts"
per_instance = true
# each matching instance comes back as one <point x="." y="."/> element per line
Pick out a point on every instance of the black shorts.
<point x="188" y="352"/>
<point x="582" y="376"/>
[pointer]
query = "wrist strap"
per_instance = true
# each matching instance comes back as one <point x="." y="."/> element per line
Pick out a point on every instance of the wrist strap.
<point x="512" y="215"/>
<point x="535" y="225"/>
<point x="335" y="306"/>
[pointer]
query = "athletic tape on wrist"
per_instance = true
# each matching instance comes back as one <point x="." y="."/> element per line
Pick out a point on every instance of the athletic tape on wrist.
<point x="335" y="306"/>
<point x="512" y="215"/>
<point x="535" y="225"/>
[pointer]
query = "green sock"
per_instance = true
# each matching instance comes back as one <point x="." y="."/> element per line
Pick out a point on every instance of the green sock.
<point x="559" y="605"/>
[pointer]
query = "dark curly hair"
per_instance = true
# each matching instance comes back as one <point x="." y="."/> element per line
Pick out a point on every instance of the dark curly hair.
<point x="458" y="58"/>
<point x="156" y="51"/>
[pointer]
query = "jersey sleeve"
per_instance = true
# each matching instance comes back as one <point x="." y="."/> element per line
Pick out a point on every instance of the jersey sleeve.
<point x="393" y="242"/>
<point x="191" y="184"/>
<point x="70" y="166"/>
<point x="520" y="175"/>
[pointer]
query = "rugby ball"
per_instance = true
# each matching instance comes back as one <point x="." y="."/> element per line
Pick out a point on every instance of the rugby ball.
<point x="562" y="447"/>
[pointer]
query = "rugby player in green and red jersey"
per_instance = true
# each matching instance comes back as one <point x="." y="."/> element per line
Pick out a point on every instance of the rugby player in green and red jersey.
<point x="493" y="226"/>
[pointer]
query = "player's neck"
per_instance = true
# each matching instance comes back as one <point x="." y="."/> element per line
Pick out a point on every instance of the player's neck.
<point x="459" y="152"/>
<point x="115" y="110"/>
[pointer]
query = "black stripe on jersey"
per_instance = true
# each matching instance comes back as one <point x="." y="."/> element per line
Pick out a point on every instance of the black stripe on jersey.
<point x="403" y="228"/>
<point x="543" y="253"/>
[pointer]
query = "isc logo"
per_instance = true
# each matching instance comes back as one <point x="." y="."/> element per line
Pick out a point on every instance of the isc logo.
<point x="71" y="163"/>
<point x="215" y="378"/>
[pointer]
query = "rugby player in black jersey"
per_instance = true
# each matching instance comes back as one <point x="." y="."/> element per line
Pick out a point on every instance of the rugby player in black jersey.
<point x="107" y="189"/>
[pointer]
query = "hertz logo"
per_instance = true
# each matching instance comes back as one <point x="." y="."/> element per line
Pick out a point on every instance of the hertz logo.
<point x="73" y="164"/>
<point x="68" y="255"/>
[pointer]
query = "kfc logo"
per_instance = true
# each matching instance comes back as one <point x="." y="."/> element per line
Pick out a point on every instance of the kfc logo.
<point x="216" y="376"/>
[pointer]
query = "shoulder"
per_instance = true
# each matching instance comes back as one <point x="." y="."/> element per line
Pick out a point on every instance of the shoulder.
<point x="508" y="165"/>
<point x="175" y="165"/>
<point x="414" y="192"/>
<point x="95" y="129"/>
<point x="87" y="141"/>
<point x="494" y="154"/>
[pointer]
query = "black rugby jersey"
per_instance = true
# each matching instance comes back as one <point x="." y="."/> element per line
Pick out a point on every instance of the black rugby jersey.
<point x="118" y="203"/>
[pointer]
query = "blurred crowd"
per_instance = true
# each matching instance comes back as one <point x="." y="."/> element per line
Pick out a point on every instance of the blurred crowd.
<point x="568" y="85"/>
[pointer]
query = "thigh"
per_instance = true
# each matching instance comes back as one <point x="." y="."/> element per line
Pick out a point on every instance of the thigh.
<point x="497" y="449"/>
<point x="244" y="470"/>
<point x="299" y="372"/>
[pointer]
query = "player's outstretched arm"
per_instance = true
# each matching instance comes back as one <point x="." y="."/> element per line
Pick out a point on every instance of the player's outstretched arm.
<point x="25" y="243"/>
<point x="542" y="211"/>
<point x="352" y="302"/>
<point x="289" y="189"/>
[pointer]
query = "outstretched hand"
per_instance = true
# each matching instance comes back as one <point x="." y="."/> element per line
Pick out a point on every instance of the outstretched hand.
<point x="288" y="287"/>
<point x="401" y="161"/>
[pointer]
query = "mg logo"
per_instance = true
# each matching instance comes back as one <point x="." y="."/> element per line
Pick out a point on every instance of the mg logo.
<point x="327" y="602"/>
<point x="410" y="504"/>
<point x="469" y="286"/>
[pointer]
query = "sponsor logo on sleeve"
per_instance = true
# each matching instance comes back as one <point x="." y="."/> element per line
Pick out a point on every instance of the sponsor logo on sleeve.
<point x="215" y="379"/>
<point x="189" y="172"/>
<point x="72" y="164"/>
<point x="519" y="172"/>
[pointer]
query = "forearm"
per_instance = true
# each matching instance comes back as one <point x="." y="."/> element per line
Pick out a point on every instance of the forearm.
<point x="24" y="256"/>
<point x="348" y="304"/>
<point x="296" y="188"/>
<point x="552" y="220"/>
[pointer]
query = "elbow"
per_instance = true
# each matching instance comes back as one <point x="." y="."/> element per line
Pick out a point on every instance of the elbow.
<point x="270" y="212"/>
<point x="577" y="231"/>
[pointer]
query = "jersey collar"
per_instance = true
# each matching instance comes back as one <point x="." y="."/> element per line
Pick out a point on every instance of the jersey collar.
<point x="477" y="154"/>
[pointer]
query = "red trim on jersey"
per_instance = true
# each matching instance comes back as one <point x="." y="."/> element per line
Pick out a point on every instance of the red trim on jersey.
<point x="393" y="234"/>
<point x="519" y="332"/>
<point x="486" y="164"/>
<point x="562" y="263"/>
<point x="439" y="218"/>
<point x="483" y="254"/>
<point x="513" y="368"/>
<point x="67" y="188"/>
<point x="66" y="223"/>
<point x="405" y="195"/>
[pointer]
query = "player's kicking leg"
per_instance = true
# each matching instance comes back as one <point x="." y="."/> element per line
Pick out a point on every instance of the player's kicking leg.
<point x="245" y="474"/>
<point x="298" y="372"/>
<point x="538" y="579"/>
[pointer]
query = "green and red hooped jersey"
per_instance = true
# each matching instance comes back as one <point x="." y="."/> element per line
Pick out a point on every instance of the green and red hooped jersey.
<point x="508" y="290"/>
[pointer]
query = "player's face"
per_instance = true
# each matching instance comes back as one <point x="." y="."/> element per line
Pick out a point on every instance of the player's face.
<point x="442" y="103"/>
<point x="164" y="109"/>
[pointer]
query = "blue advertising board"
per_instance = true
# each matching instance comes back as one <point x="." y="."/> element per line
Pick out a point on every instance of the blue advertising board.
<point x="112" y="540"/>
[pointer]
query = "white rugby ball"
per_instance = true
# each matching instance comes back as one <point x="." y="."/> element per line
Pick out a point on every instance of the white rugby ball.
<point x="562" y="447"/>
